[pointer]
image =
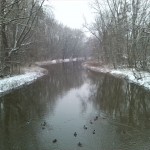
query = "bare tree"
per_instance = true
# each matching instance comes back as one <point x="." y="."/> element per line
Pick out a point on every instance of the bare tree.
<point x="121" y="27"/>
<point x="17" y="22"/>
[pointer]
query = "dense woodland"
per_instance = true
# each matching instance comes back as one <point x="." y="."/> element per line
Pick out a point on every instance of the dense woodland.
<point x="29" y="32"/>
<point x="121" y="32"/>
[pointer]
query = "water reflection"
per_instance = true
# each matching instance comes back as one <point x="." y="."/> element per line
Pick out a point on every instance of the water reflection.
<point x="67" y="99"/>
<point x="121" y="100"/>
<point x="22" y="108"/>
<point x="126" y="106"/>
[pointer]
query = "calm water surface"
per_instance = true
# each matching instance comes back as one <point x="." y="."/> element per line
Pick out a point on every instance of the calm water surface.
<point x="67" y="99"/>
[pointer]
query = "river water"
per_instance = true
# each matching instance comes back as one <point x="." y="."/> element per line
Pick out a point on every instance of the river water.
<point x="66" y="100"/>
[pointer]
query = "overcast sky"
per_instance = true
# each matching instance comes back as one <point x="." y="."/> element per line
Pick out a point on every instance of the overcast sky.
<point x="72" y="12"/>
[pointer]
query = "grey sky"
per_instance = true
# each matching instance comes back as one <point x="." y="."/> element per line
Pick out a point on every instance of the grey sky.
<point x="72" y="12"/>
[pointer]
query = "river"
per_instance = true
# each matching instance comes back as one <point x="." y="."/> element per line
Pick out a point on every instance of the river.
<point x="60" y="104"/>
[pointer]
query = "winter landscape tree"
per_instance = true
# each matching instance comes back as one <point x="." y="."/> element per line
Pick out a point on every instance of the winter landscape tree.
<point x="121" y="28"/>
<point x="29" y="33"/>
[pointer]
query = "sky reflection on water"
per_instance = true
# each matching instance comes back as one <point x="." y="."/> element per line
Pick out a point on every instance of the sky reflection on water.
<point x="67" y="100"/>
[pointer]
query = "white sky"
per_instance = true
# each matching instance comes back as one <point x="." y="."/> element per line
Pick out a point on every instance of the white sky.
<point x="72" y="12"/>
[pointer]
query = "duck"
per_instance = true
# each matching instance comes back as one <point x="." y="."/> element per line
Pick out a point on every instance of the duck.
<point x="91" y="122"/>
<point x="80" y="144"/>
<point x="94" y="132"/>
<point x="27" y="122"/>
<point x="75" y="134"/>
<point x="44" y="124"/>
<point x="84" y="127"/>
<point x="96" y="118"/>
<point x="55" y="140"/>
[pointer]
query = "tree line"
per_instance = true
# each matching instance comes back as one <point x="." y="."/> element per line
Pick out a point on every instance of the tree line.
<point x="28" y="34"/>
<point x="121" y="32"/>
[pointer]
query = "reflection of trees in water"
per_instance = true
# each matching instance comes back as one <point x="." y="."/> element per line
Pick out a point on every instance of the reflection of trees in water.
<point x="138" y="104"/>
<point x="64" y="76"/>
<point x="127" y="102"/>
<point x="33" y="101"/>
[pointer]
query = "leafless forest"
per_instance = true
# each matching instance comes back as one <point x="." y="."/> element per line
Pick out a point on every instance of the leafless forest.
<point x="28" y="34"/>
<point x="120" y="34"/>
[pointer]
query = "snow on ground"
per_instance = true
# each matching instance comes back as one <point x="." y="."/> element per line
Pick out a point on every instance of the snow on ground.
<point x="29" y="75"/>
<point x="138" y="77"/>
<point x="66" y="60"/>
<point x="54" y="61"/>
<point x="43" y="63"/>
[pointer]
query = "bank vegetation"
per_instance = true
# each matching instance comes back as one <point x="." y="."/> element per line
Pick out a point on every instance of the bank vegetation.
<point x="121" y="33"/>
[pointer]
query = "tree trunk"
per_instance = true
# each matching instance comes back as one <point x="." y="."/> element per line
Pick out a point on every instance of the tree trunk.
<point x="4" y="42"/>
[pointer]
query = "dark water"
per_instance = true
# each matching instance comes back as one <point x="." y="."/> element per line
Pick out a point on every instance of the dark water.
<point x="67" y="100"/>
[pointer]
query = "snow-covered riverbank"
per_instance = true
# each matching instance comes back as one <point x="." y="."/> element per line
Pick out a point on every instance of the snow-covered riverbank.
<point x="45" y="63"/>
<point x="29" y="75"/>
<point x="140" y="78"/>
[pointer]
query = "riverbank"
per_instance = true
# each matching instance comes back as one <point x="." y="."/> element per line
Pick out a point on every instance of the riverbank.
<point x="50" y="62"/>
<point x="28" y="75"/>
<point x="140" y="78"/>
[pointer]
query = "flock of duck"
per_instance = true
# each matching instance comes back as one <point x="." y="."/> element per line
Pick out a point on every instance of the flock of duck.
<point x="75" y="133"/>
<point x="85" y="128"/>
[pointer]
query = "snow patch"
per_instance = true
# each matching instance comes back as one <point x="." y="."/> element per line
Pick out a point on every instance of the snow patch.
<point x="56" y="61"/>
<point x="11" y="83"/>
<point x="53" y="61"/>
<point x="74" y="59"/>
<point x="138" y="77"/>
<point x="67" y="60"/>
<point x="30" y="75"/>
